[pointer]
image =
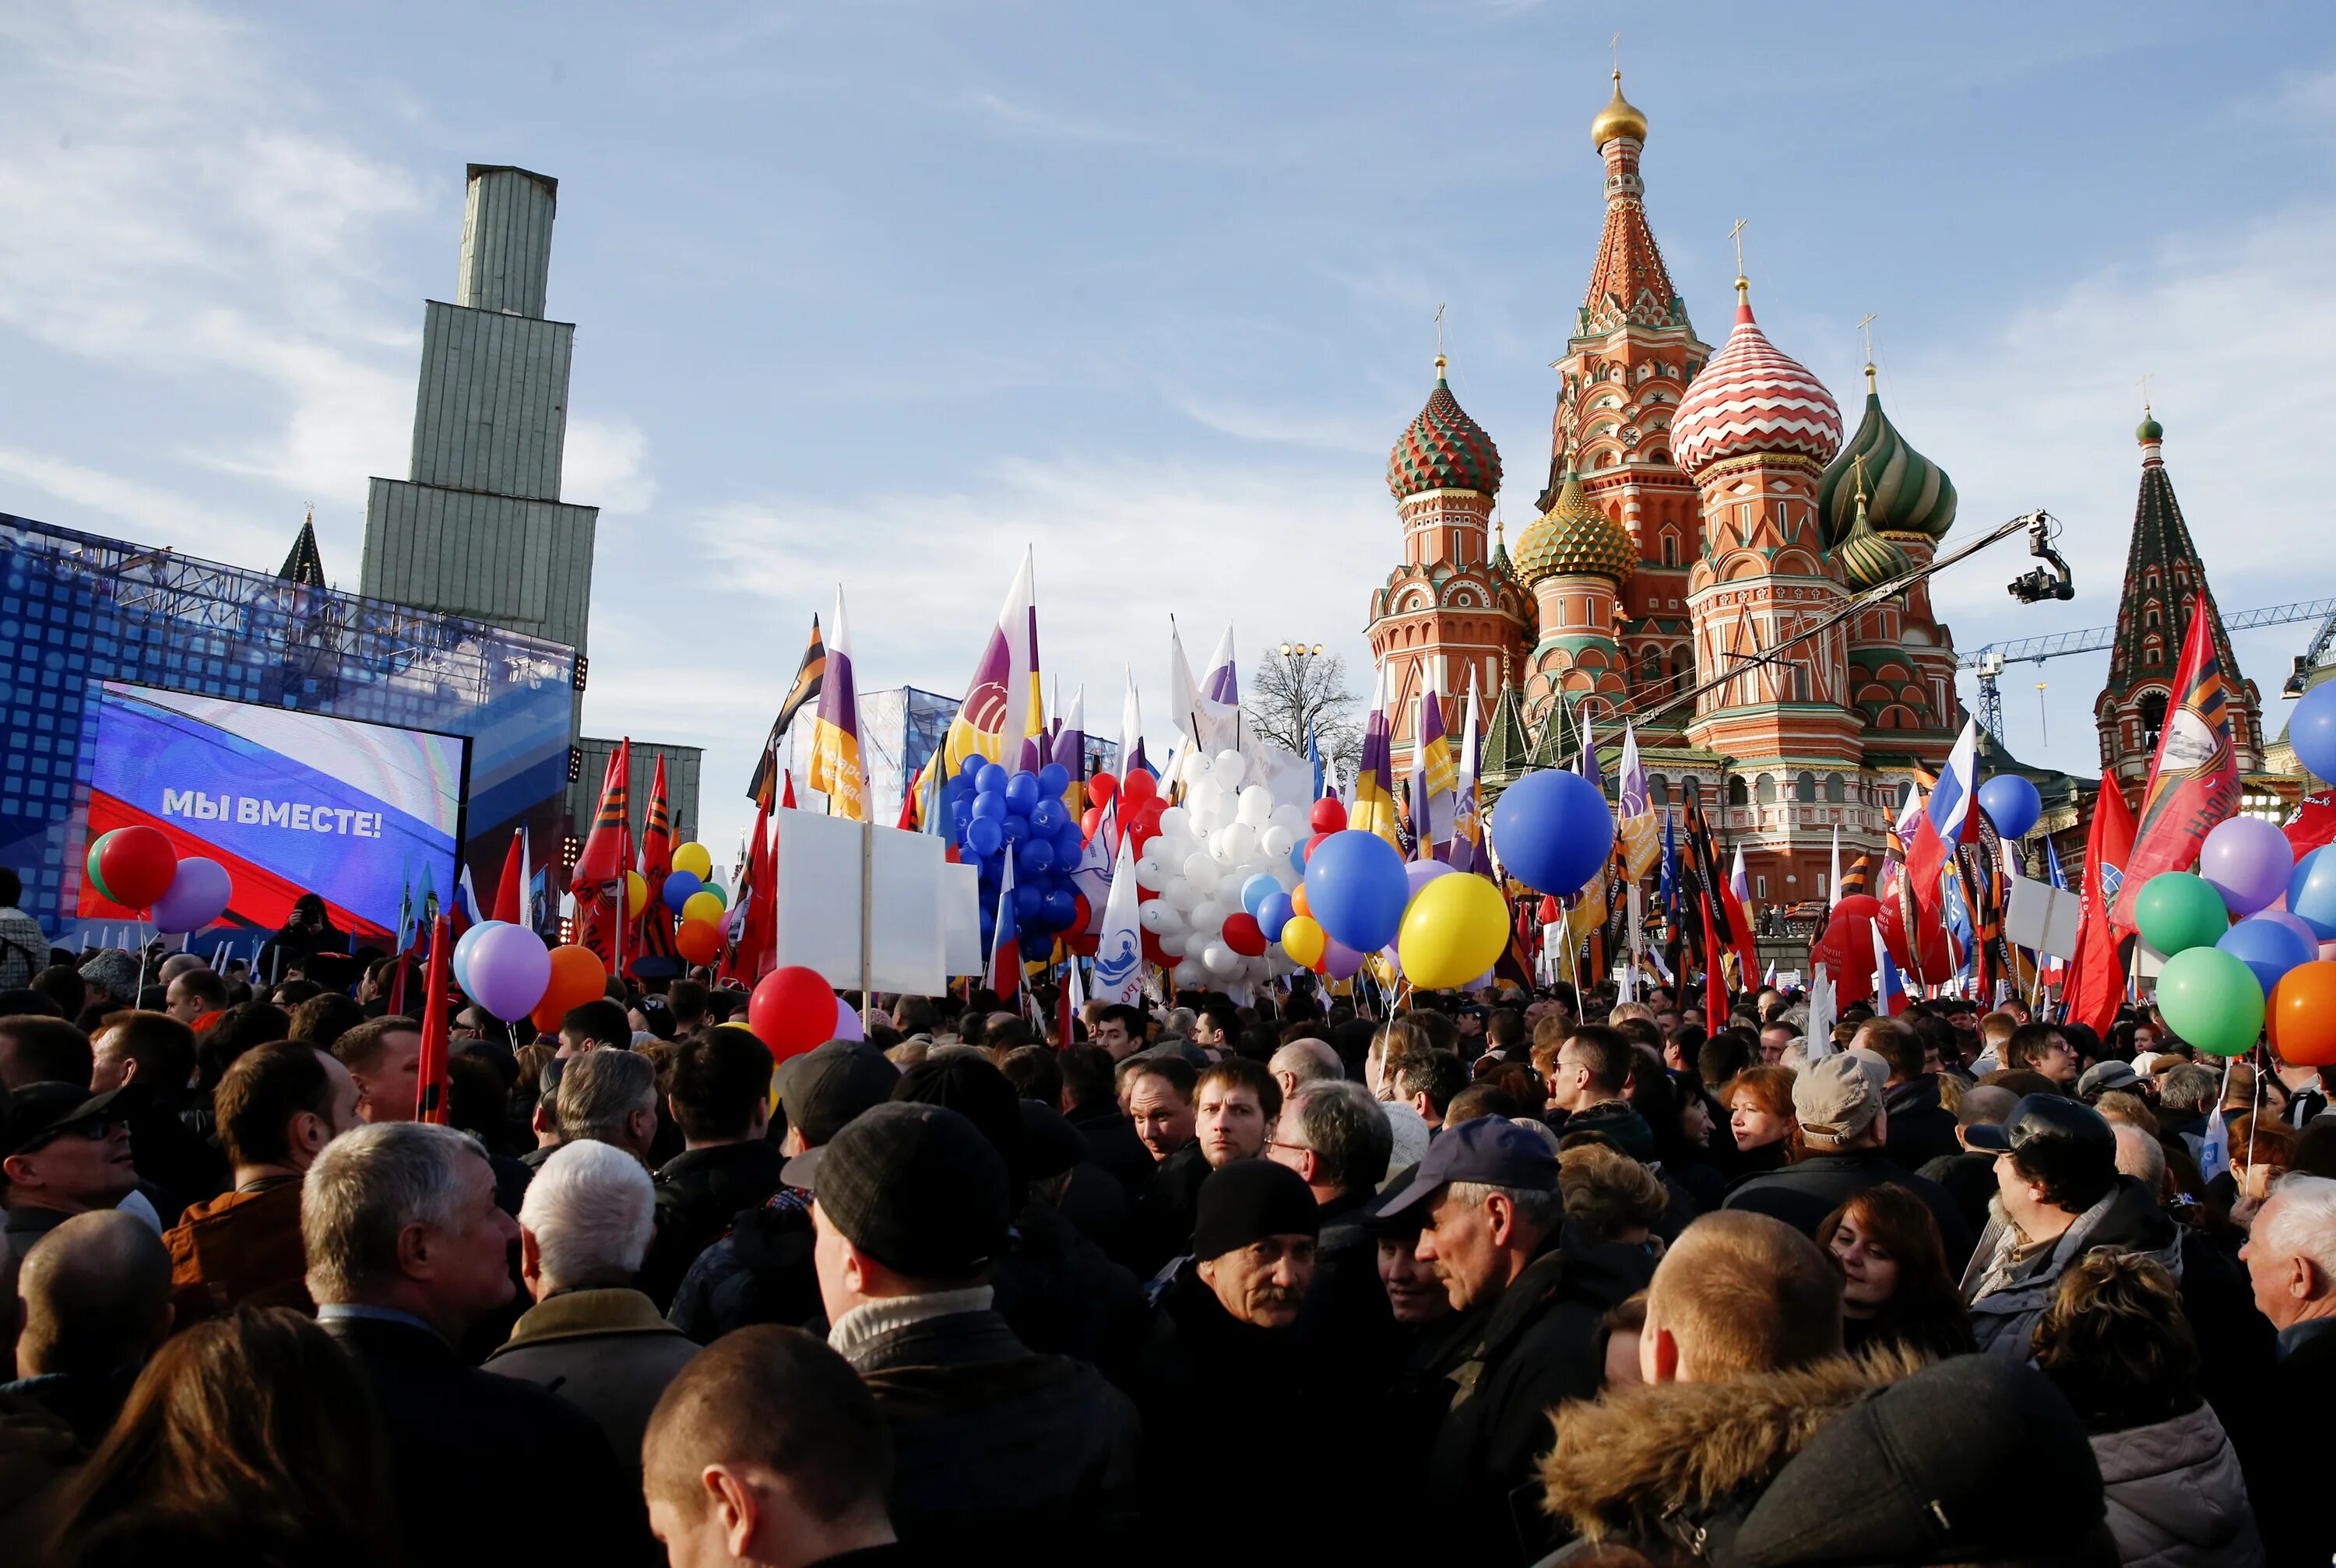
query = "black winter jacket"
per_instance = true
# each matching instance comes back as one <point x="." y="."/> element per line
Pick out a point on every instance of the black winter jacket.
<point x="1802" y="1196"/>
<point x="699" y="1193"/>
<point x="1920" y="1129"/>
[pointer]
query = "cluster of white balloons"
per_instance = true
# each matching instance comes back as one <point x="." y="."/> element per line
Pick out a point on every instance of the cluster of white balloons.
<point x="1217" y="856"/>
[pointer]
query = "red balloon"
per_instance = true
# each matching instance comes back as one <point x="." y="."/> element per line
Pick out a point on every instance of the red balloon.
<point x="698" y="941"/>
<point x="1101" y="788"/>
<point x="1845" y="947"/>
<point x="1145" y="824"/>
<point x="1312" y="843"/>
<point x="1328" y="816"/>
<point x="1242" y="935"/>
<point x="1863" y="905"/>
<point x="137" y="864"/>
<point x="791" y="1011"/>
<point x="1138" y="790"/>
<point x="1933" y="962"/>
<point x="1091" y="822"/>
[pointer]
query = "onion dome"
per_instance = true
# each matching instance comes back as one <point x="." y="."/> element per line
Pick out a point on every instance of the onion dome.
<point x="1866" y="558"/>
<point x="1443" y="449"/>
<point x="1907" y="495"/>
<point x="1750" y="398"/>
<point x="1619" y="118"/>
<point x="2149" y="432"/>
<point x="1574" y="538"/>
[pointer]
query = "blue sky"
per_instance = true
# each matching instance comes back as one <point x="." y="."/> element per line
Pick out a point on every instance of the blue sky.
<point x="876" y="294"/>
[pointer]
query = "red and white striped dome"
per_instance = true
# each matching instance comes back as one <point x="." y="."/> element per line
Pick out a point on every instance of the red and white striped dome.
<point x="1753" y="397"/>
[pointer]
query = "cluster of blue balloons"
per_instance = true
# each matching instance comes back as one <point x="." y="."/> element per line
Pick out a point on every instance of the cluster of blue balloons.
<point x="997" y="815"/>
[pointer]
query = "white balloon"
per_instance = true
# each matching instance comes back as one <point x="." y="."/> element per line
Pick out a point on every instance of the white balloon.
<point x="1150" y="874"/>
<point x="1208" y="918"/>
<point x="1173" y="944"/>
<point x="1237" y="843"/>
<point x="1181" y="892"/>
<point x="1286" y="817"/>
<point x="1208" y="805"/>
<point x="1176" y="823"/>
<point x="1187" y="973"/>
<point x="1277" y="842"/>
<point x="1255" y="806"/>
<point x="1201" y="872"/>
<point x="1159" y="917"/>
<point x="1228" y="769"/>
<point x="1219" y="959"/>
<point x="1197" y="767"/>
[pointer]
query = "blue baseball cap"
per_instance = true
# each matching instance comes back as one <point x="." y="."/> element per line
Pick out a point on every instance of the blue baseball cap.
<point x="1489" y="1149"/>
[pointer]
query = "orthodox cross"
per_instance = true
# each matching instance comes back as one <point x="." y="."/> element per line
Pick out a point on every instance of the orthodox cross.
<point x="1865" y="325"/>
<point x="1737" y="234"/>
<point x="1439" y="330"/>
<point x="2143" y="382"/>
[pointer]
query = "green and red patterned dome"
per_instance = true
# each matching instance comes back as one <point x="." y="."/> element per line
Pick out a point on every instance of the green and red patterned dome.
<point x="1443" y="449"/>
<point x="1908" y="496"/>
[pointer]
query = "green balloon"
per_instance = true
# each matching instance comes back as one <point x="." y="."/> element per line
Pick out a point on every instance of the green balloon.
<point x="97" y="877"/>
<point x="2178" y="911"/>
<point x="2211" y="999"/>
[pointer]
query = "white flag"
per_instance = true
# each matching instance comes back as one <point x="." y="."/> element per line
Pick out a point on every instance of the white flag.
<point x="1119" y="946"/>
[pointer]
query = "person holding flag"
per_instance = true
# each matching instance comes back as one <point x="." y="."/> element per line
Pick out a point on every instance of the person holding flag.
<point x="835" y="766"/>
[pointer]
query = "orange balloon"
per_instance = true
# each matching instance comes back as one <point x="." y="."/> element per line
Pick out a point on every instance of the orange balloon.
<point x="546" y="1019"/>
<point x="1297" y="903"/>
<point x="578" y="976"/>
<point x="2302" y="1015"/>
<point x="698" y="941"/>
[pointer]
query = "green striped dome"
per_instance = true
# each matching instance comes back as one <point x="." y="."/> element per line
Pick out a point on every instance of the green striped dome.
<point x="1866" y="558"/>
<point x="1906" y="494"/>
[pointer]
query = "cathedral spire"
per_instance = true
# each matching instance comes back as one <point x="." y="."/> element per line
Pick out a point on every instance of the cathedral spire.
<point x="1629" y="284"/>
<point x="304" y="566"/>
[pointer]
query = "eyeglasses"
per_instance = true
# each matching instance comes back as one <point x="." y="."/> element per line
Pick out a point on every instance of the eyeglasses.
<point x="96" y="1130"/>
<point x="1297" y="1148"/>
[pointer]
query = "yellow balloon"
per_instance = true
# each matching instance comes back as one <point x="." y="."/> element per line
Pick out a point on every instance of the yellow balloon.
<point x="695" y="859"/>
<point x="1453" y="929"/>
<point x="702" y="906"/>
<point x="1302" y="939"/>
<point x="637" y="894"/>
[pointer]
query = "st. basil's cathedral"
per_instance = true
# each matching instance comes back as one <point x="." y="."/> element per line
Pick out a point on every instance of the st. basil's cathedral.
<point x="1701" y="509"/>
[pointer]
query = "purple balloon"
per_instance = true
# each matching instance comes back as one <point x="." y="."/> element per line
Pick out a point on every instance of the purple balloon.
<point x="2249" y="862"/>
<point x="510" y="969"/>
<point x="1419" y="874"/>
<point x="847" y="1022"/>
<point x="197" y="896"/>
<point x="1339" y="962"/>
<point x="2296" y="923"/>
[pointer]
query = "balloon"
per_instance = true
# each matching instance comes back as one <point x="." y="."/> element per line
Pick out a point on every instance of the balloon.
<point x="199" y="894"/>
<point x="1419" y="874"/>
<point x="2178" y="911"/>
<point x="1049" y="814"/>
<point x="1551" y="829"/>
<point x="1864" y="906"/>
<point x="793" y="1010"/>
<point x="991" y="779"/>
<point x="704" y="906"/>
<point x="1935" y="963"/>
<point x="679" y="886"/>
<point x="1276" y="841"/>
<point x="983" y="836"/>
<point x="1035" y="857"/>
<point x="1200" y="870"/>
<point x="1229" y="769"/>
<point x="578" y="976"/>
<point x="1302" y="939"/>
<point x="695" y="859"/>
<point x="464" y="946"/>
<point x="133" y="866"/>
<point x="1150" y="874"/>
<point x="2311" y="890"/>
<point x="510" y="969"/>
<point x="2296" y="923"/>
<point x="2302" y="1012"/>
<point x="637" y="894"/>
<point x="1022" y="792"/>
<point x="1137" y="788"/>
<point x="1256" y="889"/>
<point x="1455" y="927"/>
<point x="719" y="896"/>
<point x="847" y="1023"/>
<point x="2249" y="862"/>
<point x="91" y="866"/>
<point x="1015" y="828"/>
<point x="2269" y="947"/>
<point x="1299" y="903"/>
<point x="2311" y="731"/>
<point x="1356" y="886"/>
<point x="1101" y="788"/>
<point x="1846" y="949"/>
<point x="2011" y="804"/>
<point x="1340" y="961"/>
<point x="1328" y="815"/>
<point x="1062" y="908"/>
<point x="990" y="806"/>
<point x="1159" y="917"/>
<point x="1274" y="914"/>
<point x="2209" y="997"/>
<point x="1312" y="844"/>
<point x="698" y="941"/>
<point x="1242" y="935"/>
<point x="1090" y="823"/>
<point x="1053" y="780"/>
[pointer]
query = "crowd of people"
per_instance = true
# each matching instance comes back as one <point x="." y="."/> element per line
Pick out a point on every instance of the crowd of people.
<point x="1500" y="1278"/>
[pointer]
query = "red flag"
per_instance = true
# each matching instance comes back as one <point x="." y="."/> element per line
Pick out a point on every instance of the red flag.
<point x="598" y="878"/>
<point x="510" y="891"/>
<point x="788" y="802"/>
<point x="2096" y="984"/>
<point x="2314" y="824"/>
<point x="2194" y="780"/>
<point x="431" y="1087"/>
<point x="654" y="953"/>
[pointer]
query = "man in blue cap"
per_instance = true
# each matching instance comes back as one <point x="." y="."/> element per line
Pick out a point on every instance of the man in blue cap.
<point x="1493" y="1227"/>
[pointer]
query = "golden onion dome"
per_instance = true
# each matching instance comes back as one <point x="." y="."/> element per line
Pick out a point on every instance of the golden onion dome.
<point x="1574" y="538"/>
<point x="1619" y="118"/>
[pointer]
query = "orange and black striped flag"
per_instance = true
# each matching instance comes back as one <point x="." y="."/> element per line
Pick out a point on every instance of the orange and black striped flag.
<point x="763" y="788"/>
<point x="1853" y="880"/>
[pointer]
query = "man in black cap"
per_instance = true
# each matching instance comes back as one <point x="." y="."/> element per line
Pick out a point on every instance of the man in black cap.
<point x="761" y="1272"/>
<point x="1494" y="1229"/>
<point x="64" y="1152"/>
<point x="999" y="1447"/>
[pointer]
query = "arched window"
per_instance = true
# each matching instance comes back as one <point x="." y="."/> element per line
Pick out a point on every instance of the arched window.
<point x="1805" y="789"/>
<point x="2152" y="717"/>
<point x="1651" y="666"/>
<point x="1836" y="792"/>
<point x="1764" y="791"/>
<point x="1736" y="796"/>
<point x="1659" y="790"/>
<point x="1671" y="549"/>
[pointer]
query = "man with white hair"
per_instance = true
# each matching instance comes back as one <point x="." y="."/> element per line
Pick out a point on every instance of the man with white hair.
<point x="2290" y="1259"/>
<point x="406" y="1252"/>
<point x="601" y="1345"/>
<point x="1306" y="1061"/>
<point x="2140" y="1156"/>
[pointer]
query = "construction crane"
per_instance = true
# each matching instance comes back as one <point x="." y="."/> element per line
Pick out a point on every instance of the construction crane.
<point x="1988" y="660"/>
<point x="2309" y="660"/>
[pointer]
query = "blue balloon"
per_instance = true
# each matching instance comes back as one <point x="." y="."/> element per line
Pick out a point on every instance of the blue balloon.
<point x="1356" y="886"/>
<point x="2311" y="891"/>
<point x="1552" y="830"/>
<point x="991" y="804"/>
<point x="1274" y="914"/>
<point x="2312" y="730"/>
<point x="1016" y="828"/>
<point x="1054" y="779"/>
<point x="460" y="960"/>
<point x="678" y="886"/>
<point x="2267" y="948"/>
<point x="1022" y="792"/>
<point x="1256" y="891"/>
<point x="1069" y="839"/>
<point x="1046" y="816"/>
<point x="970" y="769"/>
<point x="962" y="814"/>
<point x="2011" y="804"/>
<point x="991" y="779"/>
<point x="1298" y="854"/>
<point x="1029" y="902"/>
<point x="1034" y="857"/>
<point x="1062" y="909"/>
<point x="983" y="835"/>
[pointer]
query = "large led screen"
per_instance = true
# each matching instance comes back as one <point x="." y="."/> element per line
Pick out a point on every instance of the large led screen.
<point x="363" y="814"/>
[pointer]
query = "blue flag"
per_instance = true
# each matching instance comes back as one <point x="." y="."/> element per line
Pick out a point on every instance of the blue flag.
<point x="1314" y="756"/>
<point x="1667" y="890"/>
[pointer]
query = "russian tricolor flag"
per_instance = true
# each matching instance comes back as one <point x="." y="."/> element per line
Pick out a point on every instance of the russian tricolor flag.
<point x="1889" y="988"/>
<point x="1946" y="819"/>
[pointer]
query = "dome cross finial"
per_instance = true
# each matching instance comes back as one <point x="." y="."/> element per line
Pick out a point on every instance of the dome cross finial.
<point x="1865" y="325"/>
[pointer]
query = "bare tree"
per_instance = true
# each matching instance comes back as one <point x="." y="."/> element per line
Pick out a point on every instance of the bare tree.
<point x="1300" y="692"/>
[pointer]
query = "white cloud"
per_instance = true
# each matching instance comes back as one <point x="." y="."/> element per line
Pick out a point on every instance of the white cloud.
<point x="147" y="512"/>
<point x="607" y="465"/>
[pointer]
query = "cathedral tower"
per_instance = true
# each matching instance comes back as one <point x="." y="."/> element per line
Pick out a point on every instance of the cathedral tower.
<point x="2163" y="580"/>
